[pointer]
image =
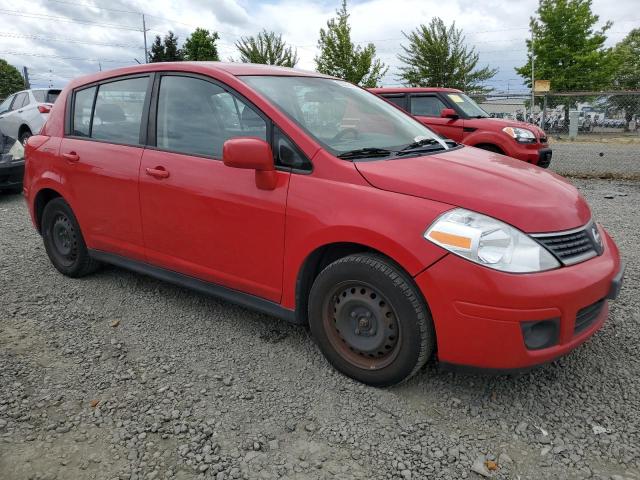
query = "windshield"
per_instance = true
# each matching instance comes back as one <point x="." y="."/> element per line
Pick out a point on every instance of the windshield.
<point x="340" y="116"/>
<point x="468" y="106"/>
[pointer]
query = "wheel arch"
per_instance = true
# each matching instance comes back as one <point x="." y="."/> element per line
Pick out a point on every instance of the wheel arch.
<point x="42" y="198"/>
<point x="23" y="128"/>
<point x="317" y="260"/>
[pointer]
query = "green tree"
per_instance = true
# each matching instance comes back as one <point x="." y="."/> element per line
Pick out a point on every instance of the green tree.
<point x="567" y="49"/>
<point x="157" y="51"/>
<point x="166" y="50"/>
<point x="341" y="58"/>
<point x="267" y="48"/>
<point x="171" y="51"/>
<point x="11" y="80"/>
<point x="201" y="45"/>
<point x="437" y="56"/>
<point x="627" y="75"/>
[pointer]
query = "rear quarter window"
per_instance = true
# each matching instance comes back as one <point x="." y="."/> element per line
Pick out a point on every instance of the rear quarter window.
<point x="82" y="105"/>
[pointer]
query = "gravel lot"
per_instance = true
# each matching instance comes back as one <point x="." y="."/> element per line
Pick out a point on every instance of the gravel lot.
<point x="121" y="376"/>
<point x="597" y="158"/>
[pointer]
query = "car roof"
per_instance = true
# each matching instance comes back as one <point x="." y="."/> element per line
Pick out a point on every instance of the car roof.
<point x="413" y="90"/>
<point x="232" y="68"/>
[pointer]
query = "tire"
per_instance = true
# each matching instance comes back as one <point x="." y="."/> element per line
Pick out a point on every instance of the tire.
<point x="370" y="321"/>
<point x="63" y="241"/>
<point x="24" y="136"/>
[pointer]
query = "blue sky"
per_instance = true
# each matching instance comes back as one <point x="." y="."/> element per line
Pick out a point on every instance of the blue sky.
<point x="61" y="39"/>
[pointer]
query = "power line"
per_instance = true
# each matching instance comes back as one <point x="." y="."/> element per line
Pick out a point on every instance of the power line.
<point x="42" y="16"/>
<point x="66" y="39"/>
<point x="41" y="55"/>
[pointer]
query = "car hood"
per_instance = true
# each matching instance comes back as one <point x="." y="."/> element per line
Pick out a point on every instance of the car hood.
<point x="500" y="123"/>
<point x="523" y="195"/>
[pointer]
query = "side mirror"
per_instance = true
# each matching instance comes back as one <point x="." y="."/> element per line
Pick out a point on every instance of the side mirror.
<point x="448" y="113"/>
<point x="254" y="154"/>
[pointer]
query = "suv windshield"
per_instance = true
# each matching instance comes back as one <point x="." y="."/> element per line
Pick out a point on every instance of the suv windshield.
<point x="342" y="117"/>
<point x="468" y="106"/>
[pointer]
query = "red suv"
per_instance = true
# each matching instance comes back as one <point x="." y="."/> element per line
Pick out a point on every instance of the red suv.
<point x="454" y="115"/>
<point x="311" y="199"/>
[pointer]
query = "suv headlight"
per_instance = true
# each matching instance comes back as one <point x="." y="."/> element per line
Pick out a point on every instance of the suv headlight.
<point x="489" y="242"/>
<point x="521" y="135"/>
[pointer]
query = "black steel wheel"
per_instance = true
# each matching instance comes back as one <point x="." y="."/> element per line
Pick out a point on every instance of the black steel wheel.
<point x="63" y="240"/>
<point x="370" y="320"/>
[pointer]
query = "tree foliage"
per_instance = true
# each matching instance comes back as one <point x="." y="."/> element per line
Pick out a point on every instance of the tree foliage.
<point x="438" y="57"/>
<point x="166" y="50"/>
<point x="11" y="80"/>
<point x="627" y="74"/>
<point x="341" y="58"/>
<point x="267" y="48"/>
<point x="567" y="49"/>
<point x="201" y="45"/>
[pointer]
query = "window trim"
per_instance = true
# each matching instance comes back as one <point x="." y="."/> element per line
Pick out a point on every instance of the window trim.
<point x="68" y="124"/>
<point x="153" y="112"/>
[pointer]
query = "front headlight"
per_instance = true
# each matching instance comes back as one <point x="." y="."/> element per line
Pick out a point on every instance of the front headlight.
<point x="489" y="242"/>
<point x="521" y="135"/>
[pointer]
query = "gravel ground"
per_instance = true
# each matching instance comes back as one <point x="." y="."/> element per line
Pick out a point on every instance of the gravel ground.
<point x="118" y="376"/>
<point x="598" y="158"/>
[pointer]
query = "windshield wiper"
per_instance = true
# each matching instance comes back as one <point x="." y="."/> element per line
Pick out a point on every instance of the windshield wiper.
<point x="366" y="153"/>
<point x="427" y="147"/>
<point x="419" y="143"/>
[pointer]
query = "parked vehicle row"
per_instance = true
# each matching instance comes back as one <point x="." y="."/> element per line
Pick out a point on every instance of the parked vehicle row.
<point x="452" y="114"/>
<point x="308" y="198"/>
<point x="21" y="115"/>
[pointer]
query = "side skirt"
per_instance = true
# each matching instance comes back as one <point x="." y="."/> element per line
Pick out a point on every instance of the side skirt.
<point x="228" y="294"/>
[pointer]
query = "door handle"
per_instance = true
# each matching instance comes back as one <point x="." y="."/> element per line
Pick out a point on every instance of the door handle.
<point x="158" y="172"/>
<point x="71" y="156"/>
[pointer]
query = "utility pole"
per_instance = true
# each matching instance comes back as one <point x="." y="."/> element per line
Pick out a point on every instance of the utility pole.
<point x="25" y="74"/>
<point x="144" y="32"/>
<point x="533" y="81"/>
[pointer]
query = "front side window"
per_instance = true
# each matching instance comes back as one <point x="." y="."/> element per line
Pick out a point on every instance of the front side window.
<point x="82" y="105"/>
<point x="467" y="105"/>
<point x="429" y="106"/>
<point x="4" y="106"/>
<point x="118" y="111"/>
<point x="339" y="115"/>
<point x="196" y="117"/>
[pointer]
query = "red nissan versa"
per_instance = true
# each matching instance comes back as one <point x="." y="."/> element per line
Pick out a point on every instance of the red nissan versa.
<point x="454" y="115"/>
<point x="308" y="198"/>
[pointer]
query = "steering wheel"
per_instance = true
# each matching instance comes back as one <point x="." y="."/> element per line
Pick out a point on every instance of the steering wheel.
<point x="344" y="132"/>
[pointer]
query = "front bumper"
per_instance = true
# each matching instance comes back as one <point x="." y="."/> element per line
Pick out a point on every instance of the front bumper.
<point x="479" y="313"/>
<point x="535" y="153"/>
<point x="11" y="173"/>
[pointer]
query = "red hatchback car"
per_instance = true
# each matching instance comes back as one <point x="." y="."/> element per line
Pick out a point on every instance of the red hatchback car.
<point x="452" y="114"/>
<point x="311" y="199"/>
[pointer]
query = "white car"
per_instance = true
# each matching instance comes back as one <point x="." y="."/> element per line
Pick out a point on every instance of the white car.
<point x="23" y="114"/>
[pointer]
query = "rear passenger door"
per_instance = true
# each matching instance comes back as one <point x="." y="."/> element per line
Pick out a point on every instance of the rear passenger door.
<point x="100" y="159"/>
<point x="427" y="109"/>
<point x="200" y="217"/>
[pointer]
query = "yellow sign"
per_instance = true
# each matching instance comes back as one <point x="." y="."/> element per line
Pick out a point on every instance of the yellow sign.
<point x="542" y="86"/>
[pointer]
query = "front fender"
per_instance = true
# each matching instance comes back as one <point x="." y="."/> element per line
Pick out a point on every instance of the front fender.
<point x="499" y="139"/>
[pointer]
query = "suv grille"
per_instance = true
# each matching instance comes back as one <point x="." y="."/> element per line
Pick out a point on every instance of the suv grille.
<point x="587" y="315"/>
<point x="573" y="246"/>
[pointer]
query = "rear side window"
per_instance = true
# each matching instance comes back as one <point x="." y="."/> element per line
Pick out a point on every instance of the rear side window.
<point x="196" y="117"/>
<point x="82" y="106"/>
<point x="398" y="100"/>
<point x="430" y="106"/>
<point x="19" y="101"/>
<point x="118" y="111"/>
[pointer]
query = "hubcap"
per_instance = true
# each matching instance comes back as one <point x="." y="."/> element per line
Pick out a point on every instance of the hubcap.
<point x="362" y="325"/>
<point x="63" y="237"/>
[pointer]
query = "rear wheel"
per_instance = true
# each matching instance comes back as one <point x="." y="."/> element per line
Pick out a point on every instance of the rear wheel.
<point x="370" y="321"/>
<point x="63" y="240"/>
<point x="24" y="136"/>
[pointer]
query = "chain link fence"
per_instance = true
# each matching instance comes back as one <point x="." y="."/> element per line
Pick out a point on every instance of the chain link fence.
<point x="592" y="134"/>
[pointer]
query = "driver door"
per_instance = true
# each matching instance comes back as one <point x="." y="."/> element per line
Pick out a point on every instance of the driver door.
<point x="200" y="217"/>
<point x="427" y="108"/>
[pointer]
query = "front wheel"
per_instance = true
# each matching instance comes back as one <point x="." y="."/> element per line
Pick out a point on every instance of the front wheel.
<point x="370" y="320"/>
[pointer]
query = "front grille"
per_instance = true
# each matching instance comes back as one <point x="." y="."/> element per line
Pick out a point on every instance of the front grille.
<point x="587" y="315"/>
<point x="570" y="247"/>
